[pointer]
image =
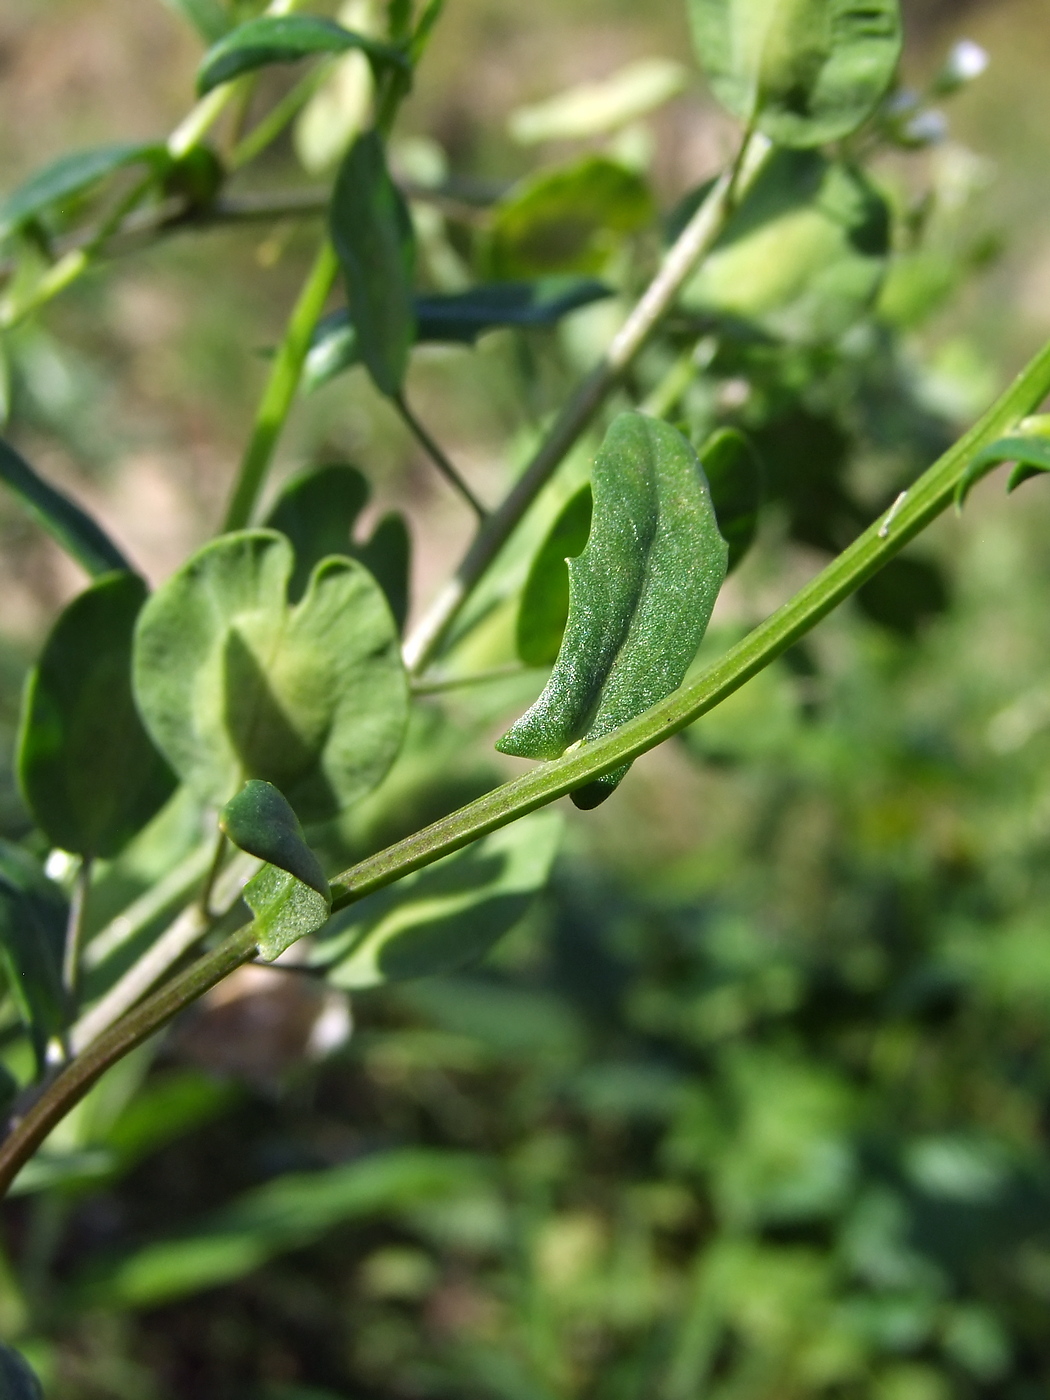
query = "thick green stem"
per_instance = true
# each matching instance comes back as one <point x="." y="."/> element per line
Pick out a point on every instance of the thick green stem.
<point x="280" y="390"/>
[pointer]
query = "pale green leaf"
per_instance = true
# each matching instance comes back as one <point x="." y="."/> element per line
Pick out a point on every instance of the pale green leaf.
<point x="285" y="910"/>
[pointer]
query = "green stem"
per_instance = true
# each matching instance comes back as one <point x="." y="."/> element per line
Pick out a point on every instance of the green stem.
<point x="281" y="387"/>
<point x="75" y="928"/>
<point x="438" y="457"/>
<point x="269" y="127"/>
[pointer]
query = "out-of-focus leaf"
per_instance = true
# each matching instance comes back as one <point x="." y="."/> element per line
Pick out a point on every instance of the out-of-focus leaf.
<point x="196" y="177"/>
<point x="905" y="594"/>
<point x="641" y="595"/>
<point x="284" y="1214"/>
<point x="33" y="915"/>
<point x="372" y="233"/>
<point x="734" y="475"/>
<point x="68" y="525"/>
<point x="209" y="18"/>
<point x="283" y="39"/>
<point x="86" y="766"/>
<point x="593" y="108"/>
<point x="72" y="175"/>
<point x="17" y="1381"/>
<point x="260" y="821"/>
<point x="566" y="219"/>
<point x="446" y="915"/>
<point x="805" y="254"/>
<point x="318" y="510"/>
<point x="234" y="684"/>
<point x="285" y="909"/>
<point x="806" y="72"/>
<point x="544" y="608"/>
<point x="1031" y="452"/>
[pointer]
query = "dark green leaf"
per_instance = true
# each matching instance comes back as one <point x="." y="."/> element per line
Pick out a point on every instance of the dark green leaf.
<point x="803" y="71"/>
<point x="1031" y="453"/>
<point x="285" y="909"/>
<point x="569" y="219"/>
<point x="446" y="915"/>
<point x="544" y="608"/>
<point x="70" y="176"/>
<point x="17" y="1381"/>
<point x="233" y="683"/>
<point x="283" y="39"/>
<point x="87" y="768"/>
<point x="260" y="821"/>
<point x="33" y="915"/>
<point x="318" y="510"/>
<point x="641" y="595"/>
<point x="196" y="177"/>
<point x="208" y="17"/>
<point x="734" y="475"/>
<point x="65" y="522"/>
<point x="372" y="233"/>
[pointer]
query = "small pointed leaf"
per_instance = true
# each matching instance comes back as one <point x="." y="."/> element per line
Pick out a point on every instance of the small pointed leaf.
<point x="1030" y="452"/>
<point x="734" y="475"/>
<point x="260" y="821"/>
<point x="284" y="39"/>
<point x="641" y="595"/>
<point x="544" y="608"/>
<point x="285" y="910"/>
<point x="72" y="175"/>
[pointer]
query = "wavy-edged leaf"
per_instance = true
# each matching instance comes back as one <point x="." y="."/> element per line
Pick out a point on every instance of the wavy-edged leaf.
<point x="318" y="509"/>
<point x="734" y="475"/>
<point x="86" y="766"/>
<point x="17" y="1380"/>
<point x="446" y="915"/>
<point x="234" y="683"/>
<point x="33" y="915"/>
<point x="283" y="39"/>
<point x="372" y="233"/>
<point x="544" y="608"/>
<point x="640" y="595"/>
<point x="72" y="175"/>
<point x="805" y="72"/>
<point x="69" y="526"/>
<point x="260" y="821"/>
<point x="285" y="909"/>
<point x="1031" y="454"/>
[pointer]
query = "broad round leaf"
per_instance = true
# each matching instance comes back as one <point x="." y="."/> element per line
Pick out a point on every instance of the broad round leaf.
<point x="88" y="770"/>
<point x="804" y="71"/>
<point x="234" y="683"/>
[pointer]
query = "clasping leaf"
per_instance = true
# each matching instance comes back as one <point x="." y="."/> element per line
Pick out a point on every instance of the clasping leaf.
<point x="1029" y="450"/>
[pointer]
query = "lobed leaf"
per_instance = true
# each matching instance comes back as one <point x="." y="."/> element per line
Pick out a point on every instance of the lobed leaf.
<point x="72" y="175"/>
<point x="1031" y="453"/>
<point x="234" y="683"/>
<point x="69" y="526"/>
<point x="734" y="475"/>
<point x="260" y="821"/>
<point x="544" y="608"/>
<point x="283" y="39"/>
<point x="446" y="915"/>
<point x="372" y="233"/>
<point x="805" y="72"/>
<point x="33" y="915"/>
<point x="640" y="595"/>
<point x="86" y="766"/>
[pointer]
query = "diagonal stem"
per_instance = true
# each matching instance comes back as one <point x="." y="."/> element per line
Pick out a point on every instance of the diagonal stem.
<point x="438" y="457"/>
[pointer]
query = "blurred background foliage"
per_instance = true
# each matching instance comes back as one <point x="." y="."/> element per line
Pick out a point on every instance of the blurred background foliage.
<point x="753" y="1103"/>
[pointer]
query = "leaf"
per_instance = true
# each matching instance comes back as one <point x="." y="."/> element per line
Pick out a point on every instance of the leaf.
<point x="803" y="257"/>
<point x="208" y="17"/>
<point x="285" y="909"/>
<point x="66" y="523"/>
<point x="372" y="233"/>
<point x="260" y="821"/>
<point x="284" y="39"/>
<point x="806" y="72"/>
<point x="318" y="509"/>
<point x="33" y="915"/>
<point x="592" y="109"/>
<point x="567" y="219"/>
<point x="1031" y="453"/>
<point x="446" y="915"/>
<point x="544" y="608"/>
<point x="233" y="683"/>
<point x="641" y="595"/>
<point x="734" y="475"/>
<point x="70" y="176"/>
<point x="17" y="1381"/>
<point x="86" y="766"/>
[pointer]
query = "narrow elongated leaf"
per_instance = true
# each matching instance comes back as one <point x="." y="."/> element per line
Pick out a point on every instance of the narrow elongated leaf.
<point x="640" y="595"/>
<point x="544" y="608"/>
<point x="1031" y="453"/>
<point x="260" y="820"/>
<point x="68" y="525"/>
<point x="446" y="915"/>
<point x="734" y="475"/>
<point x="17" y="1381"/>
<point x="318" y="509"/>
<point x="804" y="71"/>
<point x="283" y="39"/>
<point x="72" y="175"/>
<point x="87" y="768"/>
<point x="372" y="233"/>
<point x="233" y="683"/>
<point x="285" y="909"/>
<point x="33" y="914"/>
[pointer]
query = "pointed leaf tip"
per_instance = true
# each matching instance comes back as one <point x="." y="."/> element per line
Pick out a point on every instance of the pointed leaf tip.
<point x="260" y="821"/>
